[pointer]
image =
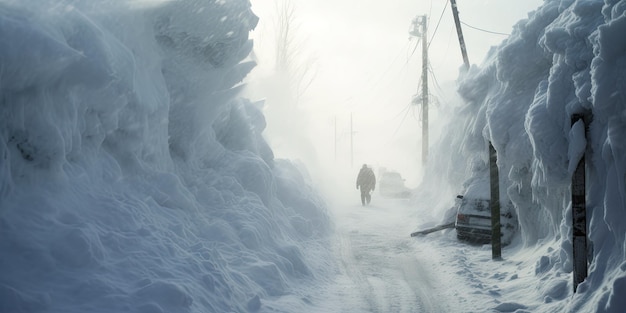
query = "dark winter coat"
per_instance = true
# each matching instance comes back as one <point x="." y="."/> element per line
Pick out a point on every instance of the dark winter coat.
<point x="366" y="179"/>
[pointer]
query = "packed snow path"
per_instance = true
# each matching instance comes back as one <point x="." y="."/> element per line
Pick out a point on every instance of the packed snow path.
<point x="380" y="268"/>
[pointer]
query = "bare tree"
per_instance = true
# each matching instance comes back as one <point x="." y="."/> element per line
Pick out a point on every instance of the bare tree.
<point x="291" y="63"/>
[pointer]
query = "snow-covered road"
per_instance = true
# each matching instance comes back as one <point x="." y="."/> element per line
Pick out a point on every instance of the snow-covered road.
<point x="381" y="267"/>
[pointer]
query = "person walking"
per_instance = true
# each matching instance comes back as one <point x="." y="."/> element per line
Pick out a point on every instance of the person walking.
<point x="366" y="181"/>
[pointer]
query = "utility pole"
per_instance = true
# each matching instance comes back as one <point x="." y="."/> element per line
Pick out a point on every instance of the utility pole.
<point x="424" y="92"/>
<point x="417" y="22"/>
<point x="459" y="32"/>
<point x="351" y="143"/>
<point x="335" y="138"/>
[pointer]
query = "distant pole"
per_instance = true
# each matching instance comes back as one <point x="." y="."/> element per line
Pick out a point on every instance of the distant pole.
<point x="335" y="138"/>
<point x="496" y="244"/>
<point x="423" y="33"/>
<point x="351" y="143"/>
<point x="459" y="32"/>
<point x="579" y="216"/>
<point x="424" y="91"/>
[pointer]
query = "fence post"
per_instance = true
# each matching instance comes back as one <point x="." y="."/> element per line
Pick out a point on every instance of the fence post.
<point x="494" y="203"/>
<point x="579" y="215"/>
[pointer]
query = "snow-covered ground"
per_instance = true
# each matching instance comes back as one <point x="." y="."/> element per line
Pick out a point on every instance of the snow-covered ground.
<point x="382" y="269"/>
<point x="567" y="58"/>
<point x="135" y="178"/>
<point x="132" y="176"/>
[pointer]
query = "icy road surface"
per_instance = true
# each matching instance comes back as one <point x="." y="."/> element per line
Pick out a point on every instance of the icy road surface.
<point x="383" y="269"/>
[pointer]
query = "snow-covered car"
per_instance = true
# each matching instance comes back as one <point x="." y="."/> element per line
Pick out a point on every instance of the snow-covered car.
<point x="391" y="185"/>
<point x="473" y="220"/>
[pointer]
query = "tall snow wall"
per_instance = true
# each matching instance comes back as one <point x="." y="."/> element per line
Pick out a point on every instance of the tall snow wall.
<point x="568" y="57"/>
<point x="133" y="178"/>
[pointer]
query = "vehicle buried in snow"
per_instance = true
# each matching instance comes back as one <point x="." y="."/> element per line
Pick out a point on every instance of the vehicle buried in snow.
<point x="473" y="220"/>
<point x="473" y="211"/>
<point x="391" y="185"/>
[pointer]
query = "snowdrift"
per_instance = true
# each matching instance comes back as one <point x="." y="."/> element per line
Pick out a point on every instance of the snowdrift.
<point x="568" y="57"/>
<point x="133" y="178"/>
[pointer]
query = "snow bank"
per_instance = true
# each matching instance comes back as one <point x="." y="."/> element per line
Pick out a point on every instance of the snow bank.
<point x="568" y="57"/>
<point x="133" y="177"/>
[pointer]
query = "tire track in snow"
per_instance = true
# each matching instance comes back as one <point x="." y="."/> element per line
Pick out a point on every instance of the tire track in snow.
<point x="424" y="281"/>
<point x="380" y="262"/>
<point x="353" y="272"/>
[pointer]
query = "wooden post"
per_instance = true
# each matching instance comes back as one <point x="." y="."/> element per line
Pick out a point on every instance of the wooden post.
<point x="459" y="32"/>
<point x="496" y="244"/>
<point x="579" y="216"/>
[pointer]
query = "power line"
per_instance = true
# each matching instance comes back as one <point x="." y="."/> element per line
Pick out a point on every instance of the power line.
<point x="406" y="111"/>
<point x="419" y="39"/>
<point x="484" y="30"/>
<point x="380" y="77"/>
<point x="438" y="22"/>
<point x="432" y="73"/>
<point x="438" y="87"/>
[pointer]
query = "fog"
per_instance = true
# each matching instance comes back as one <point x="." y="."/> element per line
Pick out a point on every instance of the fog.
<point x="136" y="177"/>
<point x="364" y="70"/>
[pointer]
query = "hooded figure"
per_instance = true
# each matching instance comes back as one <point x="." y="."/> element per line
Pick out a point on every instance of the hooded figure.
<point x="366" y="180"/>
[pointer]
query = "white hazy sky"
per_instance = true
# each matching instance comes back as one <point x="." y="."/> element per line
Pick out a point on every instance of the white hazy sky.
<point x="369" y="67"/>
